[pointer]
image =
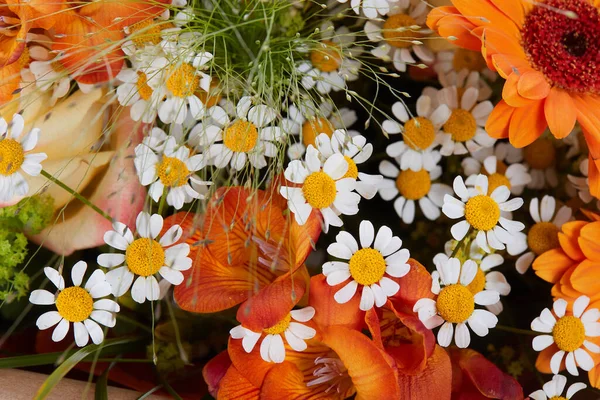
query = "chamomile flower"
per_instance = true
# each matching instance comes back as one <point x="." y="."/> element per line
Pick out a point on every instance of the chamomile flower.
<point x="140" y="89"/>
<point x="373" y="8"/>
<point x="464" y="68"/>
<point x="581" y="184"/>
<point x="540" y="157"/>
<point x="85" y="306"/>
<point x="455" y="304"/>
<point x="369" y="268"/>
<point x="419" y="134"/>
<point x="321" y="186"/>
<point x="553" y="390"/>
<point x="569" y="333"/>
<point x="482" y="213"/>
<point x="272" y="347"/>
<point x="46" y="68"/>
<point x="543" y="235"/>
<point x="408" y="187"/>
<point x="513" y="176"/>
<point x="144" y="257"/>
<point x="15" y="158"/>
<point x="505" y="154"/>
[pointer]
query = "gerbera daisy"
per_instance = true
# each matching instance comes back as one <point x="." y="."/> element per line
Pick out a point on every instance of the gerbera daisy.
<point x="323" y="186"/>
<point x="568" y="334"/>
<point x="15" y="157"/>
<point x="543" y="235"/>
<point x="482" y="213"/>
<point x="272" y="347"/>
<point x="408" y="187"/>
<point x="455" y="304"/>
<point x="513" y="176"/>
<point x="379" y="258"/>
<point x="398" y="35"/>
<point x="419" y="134"/>
<point x="554" y="389"/>
<point x="144" y="257"/>
<point x="75" y="304"/>
<point x="540" y="158"/>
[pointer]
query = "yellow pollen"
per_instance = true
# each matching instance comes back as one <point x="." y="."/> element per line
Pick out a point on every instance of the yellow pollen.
<point x="540" y="154"/>
<point x="144" y="256"/>
<point x="352" y="168"/>
<point x="413" y="185"/>
<point x="396" y="31"/>
<point x="313" y="128"/>
<point x="478" y="283"/>
<point x="11" y="156"/>
<point x="496" y="180"/>
<point x="455" y="303"/>
<point x="461" y="125"/>
<point x="143" y="88"/>
<point x="542" y="237"/>
<point x="482" y="212"/>
<point x="558" y="398"/>
<point x="241" y="136"/>
<point x="279" y="327"/>
<point x="319" y="190"/>
<point x="467" y="59"/>
<point x="419" y="133"/>
<point x="74" y="304"/>
<point x="326" y="56"/>
<point x="568" y="333"/>
<point x="367" y="266"/>
<point x="183" y="81"/>
<point x="145" y="32"/>
<point x="172" y="172"/>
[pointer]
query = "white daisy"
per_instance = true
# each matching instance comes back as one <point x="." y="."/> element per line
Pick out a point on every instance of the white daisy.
<point x="455" y="304"/>
<point x="569" y="333"/>
<point x="505" y="153"/>
<point x="575" y="141"/>
<point x="540" y="158"/>
<point x="373" y="8"/>
<point x="45" y="66"/>
<point x="15" y="157"/>
<point x="513" y="176"/>
<point x="553" y="390"/>
<point x="76" y="305"/>
<point x="140" y="90"/>
<point x="371" y="266"/>
<point x="408" y="187"/>
<point x="272" y="347"/>
<point x="581" y="184"/>
<point x="144" y="257"/>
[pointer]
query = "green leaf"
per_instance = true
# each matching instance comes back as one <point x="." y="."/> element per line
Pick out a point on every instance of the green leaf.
<point x="101" y="392"/>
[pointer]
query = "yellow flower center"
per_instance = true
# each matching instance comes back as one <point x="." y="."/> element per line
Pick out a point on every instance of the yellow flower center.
<point x="144" y="256"/>
<point x="213" y="96"/>
<point x="145" y="32"/>
<point x="240" y="136"/>
<point x="367" y="266"/>
<point x="542" y="237"/>
<point x="467" y="59"/>
<point x="568" y="333"/>
<point x="183" y="81"/>
<point x="496" y="180"/>
<point x="11" y="156"/>
<point x="313" y="128"/>
<point x="482" y="212"/>
<point x="279" y="327"/>
<point x="352" y="168"/>
<point x="558" y="398"/>
<point x="172" y="172"/>
<point x="540" y="154"/>
<point x="478" y="283"/>
<point x="461" y="125"/>
<point x="413" y="185"/>
<point x="419" y="133"/>
<point x="74" y="304"/>
<point x="396" y="31"/>
<point x="319" y="190"/>
<point x="455" y="303"/>
<point x="326" y="57"/>
<point x="143" y="88"/>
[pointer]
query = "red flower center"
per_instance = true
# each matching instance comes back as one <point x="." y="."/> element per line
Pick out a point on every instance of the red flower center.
<point x="562" y="39"/>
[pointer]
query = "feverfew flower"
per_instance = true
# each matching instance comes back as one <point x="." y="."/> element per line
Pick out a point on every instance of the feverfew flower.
<point x="144" y="257"/>
<point x="85" y="306"/>
<point x="455" y="304"/>
<point x="372" y="8"/>
<point x="514" y="176"/>
<point x="553" y="390"/>
<point x="369" y="267"/>
<point x="141" y="90"/>
<point x="48" y="72"/>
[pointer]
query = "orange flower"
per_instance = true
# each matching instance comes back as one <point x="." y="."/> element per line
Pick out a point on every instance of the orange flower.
<point x="548" y="52"/>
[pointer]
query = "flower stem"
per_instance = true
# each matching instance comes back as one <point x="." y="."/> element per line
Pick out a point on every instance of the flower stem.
<point x="459" y="244"/>
<point x="516" y="330"/>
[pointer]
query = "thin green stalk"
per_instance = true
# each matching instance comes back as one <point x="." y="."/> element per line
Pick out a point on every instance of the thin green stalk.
<point x="459" y="244"/>
<point x="516" y="330"/>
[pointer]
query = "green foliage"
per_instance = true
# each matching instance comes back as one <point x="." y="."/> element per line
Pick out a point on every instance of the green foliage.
<point x="31" y="214"/>
<point x="168" y="356"/>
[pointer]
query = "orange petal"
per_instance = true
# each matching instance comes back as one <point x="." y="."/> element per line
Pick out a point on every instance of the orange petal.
<point x="494" y="41"/>
<point x="527" y="124"/>
<point x="507" y="64"/>
<point x="214" y="371"/>
<point x="330" y="312"/>
<point x="594" y="176"/>
<point x="551" y="265"/>
<point x="448" y="22"/>
<point x="434" y="382"/>
<point x="484" y="13"/>
<point x="498" y="122"/>
<point x="512" y="9"/>
<point x="533" y="85"/>
<point x="510" y="92"/>
<point x="413" y="286"/>
<point x="588" y="241"/>
<point x="588" y="115"/>
<point x="560" y="113"/>
<point x="286" y="381"/>
<point x="594" y="376"/>
<point x="10" y="76"/>
<point x="569" y="239"/>
<point x="542" y="363"/>
<point x="584" y="278"/>
<point x="234" y="386"/>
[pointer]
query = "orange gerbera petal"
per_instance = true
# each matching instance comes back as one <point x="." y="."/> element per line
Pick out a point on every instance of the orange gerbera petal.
<point x="533" y="85"/>
<point x="588" y="241"/>
<point x="499" y="120"/>
<point x="510" y="92"/>
<point x="551" y="265"/>
<point x="527" y="124"/>
<point x="507" y="64"/>
<point x="588" y="115"/>
<point x="234" y="386"/>
<point x="449" y="23"/>
<point x="584" y="278"/>
<point x="330" y="312"/>
<point x="560" y="113"/>
<point x="594" y="176"/>
<point x="512" y="9"/>
<point x="569" y="239"/>
<point x="485" y="13"/>
<point x="494" y="41"/>
<point x="542" y="363"/>
<point x="434" y="382"/>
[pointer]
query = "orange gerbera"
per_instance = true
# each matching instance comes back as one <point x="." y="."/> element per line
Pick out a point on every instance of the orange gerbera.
<point x="549" y="54"/>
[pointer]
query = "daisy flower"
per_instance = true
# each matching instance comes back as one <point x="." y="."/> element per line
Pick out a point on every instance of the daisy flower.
<point x="355" y="150"/>
<point x="568" y="334"/>
<point x="505" y="154"/>
<point x="373" y="8"/>
<point x="513" y="176"/>
<point x="581" y="184"/>
<point x="370" y="267"/>
<point x="141" y="90"/>
<point x="543" y="235"/>
<point x="419" y="134"/>
<point x="144" y="257"/>
<point x="482" y="213"/>
<point x="330" y="63"/>
<point x="554" y="389"/>
<point x="15" y="157"/>
<point x="323" y="186"/>
<point x="408" y="187"/>
<point x="397" y="35"/>
<point x="540" y="158"/>
<point x="85" y="306"/>
<point x="174" y="170"/>
<point x="464" y="132"/>
<point x="272" y="347"/>
<point x="455" y="304"/>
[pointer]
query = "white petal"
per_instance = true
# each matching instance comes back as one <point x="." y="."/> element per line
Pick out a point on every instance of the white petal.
<point x="94" y="331"/>
<point x="346" y="293"/>
<point x="48" y="319"/>
<point x="367" y="233"/>
<point x="584" y="360"/>
<point x="55" y="277"/>
<point x="462" y="336"/>
<point x="541" y="342"/>
<point x="367" y="299"/>
<point x="580" y="305"/>
<point x="304" y="314"/>
<point x="138" y="290"/>
<point x="276" y="349"/>
<point x="60" y="331"/>
<point x="81" y="334"/>
<point x="444" y="336"/>
<point x="41" y="297"/>
<point x="555" y="361"/>
<point x="109" y="260"/>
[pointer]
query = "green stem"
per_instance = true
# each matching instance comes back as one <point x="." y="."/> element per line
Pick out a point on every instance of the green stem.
<point x="124" y="360"/>
<point x="459" y="245"/>
<point x="76" y="195"/>
<point x="161" y="204"/>
<point x="516" y="330"/>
